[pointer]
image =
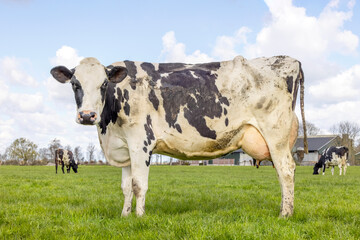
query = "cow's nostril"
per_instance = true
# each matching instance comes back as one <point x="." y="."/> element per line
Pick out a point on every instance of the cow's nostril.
<point x="87" y="117"/>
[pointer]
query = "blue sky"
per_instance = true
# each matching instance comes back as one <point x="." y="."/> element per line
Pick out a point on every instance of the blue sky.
<point x="37" y="35"/>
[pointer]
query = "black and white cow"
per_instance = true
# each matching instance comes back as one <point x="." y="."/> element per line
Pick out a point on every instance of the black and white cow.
<point x="332" y="156"/>
<point x="189" y="111"/>
<point x="65" y="158"/>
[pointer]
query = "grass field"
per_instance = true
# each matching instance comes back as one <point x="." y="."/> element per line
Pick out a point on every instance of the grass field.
<point x="183" y="202"/>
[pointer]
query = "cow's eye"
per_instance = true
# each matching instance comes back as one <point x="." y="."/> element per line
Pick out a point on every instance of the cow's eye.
<point x="103" y="86"/>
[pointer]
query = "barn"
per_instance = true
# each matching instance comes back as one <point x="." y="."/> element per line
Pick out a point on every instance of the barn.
<point x="317" y="144"/>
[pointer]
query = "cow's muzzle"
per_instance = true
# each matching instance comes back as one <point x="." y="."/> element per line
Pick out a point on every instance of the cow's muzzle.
<point x="87" y="117"/>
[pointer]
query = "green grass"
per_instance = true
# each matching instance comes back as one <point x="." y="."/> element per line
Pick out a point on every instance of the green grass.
<point x="183" y="202"/>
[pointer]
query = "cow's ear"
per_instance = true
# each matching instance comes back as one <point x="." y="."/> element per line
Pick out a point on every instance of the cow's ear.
<point x="62" y="74"/>
<point x="117" y="74"/>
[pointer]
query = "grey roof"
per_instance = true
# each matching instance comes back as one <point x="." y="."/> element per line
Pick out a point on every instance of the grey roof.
<point x="315" y="143"/>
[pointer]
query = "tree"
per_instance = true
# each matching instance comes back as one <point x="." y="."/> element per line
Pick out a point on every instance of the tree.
<point x="22" y="149"/>
<point x="352" y="129"/>
<point x="44" y="154"/>
<point x="91" y="151"/>
<point x="311" y="129"/>
<point x="101" y="155"/>
<point x="78" y="154"/>
<point x="68" y="147"/>
<point x="53" y="145"/>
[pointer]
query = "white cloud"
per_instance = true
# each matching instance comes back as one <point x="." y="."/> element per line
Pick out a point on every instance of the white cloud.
<point x="344" y="86"/>
<point x="12" y="72"/>
<point x="175" y="52"/>
<point x="25" y="102"/>
<point x="225" y="47"/>
<point x="66" y="56"/>
<point x="310" y="39"/>
<point x="327" y="115"/>
<point x="292" y="31"/>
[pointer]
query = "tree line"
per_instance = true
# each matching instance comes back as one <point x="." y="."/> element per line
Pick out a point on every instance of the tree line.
<point x="22" y="151"/>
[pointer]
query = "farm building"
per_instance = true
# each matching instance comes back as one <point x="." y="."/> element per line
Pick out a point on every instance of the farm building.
<point x="317" y="144"/>
<point x="357" y="159"/>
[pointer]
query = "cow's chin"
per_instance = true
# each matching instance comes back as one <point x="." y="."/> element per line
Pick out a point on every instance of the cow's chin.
<point x="87" y="123"/>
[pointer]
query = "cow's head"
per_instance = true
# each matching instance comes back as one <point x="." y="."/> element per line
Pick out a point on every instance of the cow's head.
<point x="89" y="82"/>
<point x="343" y="150"/>
<point x="74" y="165"/>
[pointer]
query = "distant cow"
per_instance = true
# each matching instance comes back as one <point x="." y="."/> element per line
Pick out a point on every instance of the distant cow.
<point x="332" y="156"/>
<point x="257" y="163"/>
<point x="65" y="158"/>
<point x="190" y="111"/>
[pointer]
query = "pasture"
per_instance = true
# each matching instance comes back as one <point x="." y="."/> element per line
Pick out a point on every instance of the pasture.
<point x="183" y="202"/>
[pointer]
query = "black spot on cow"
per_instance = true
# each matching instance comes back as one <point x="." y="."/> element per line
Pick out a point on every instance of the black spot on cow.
<point x="103" y="90"/>
<point x="131" y="68"/>
<point x="178" y="128"/>
<point x="279" y="63"/>
<point x="153" y="99"/>
<point x="127" y="108"/>
<point x="261" y="102"/>
<point x="148" y="130"/>
<point x="289" y="82"/>
<point x="78" y="91"/>
<point x="111" y="107"/>
<point x="126" y="94"/>
<point x="149" y="68"/>
<point x="226" y="122"/>
<point x="225" y="111"/>
<point x="145" y="143"/>
<point x="145" y="149"/>
<point x="268" y="105"/>
<point x="148" y="162"/>
<point x="224" y="100"/>
<point x="192" y="87"/>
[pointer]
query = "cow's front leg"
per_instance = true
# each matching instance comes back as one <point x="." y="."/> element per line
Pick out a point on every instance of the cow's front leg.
<point x="126" y="186"/>
<point x="285" y="167"/>
<point x="345" y="166"/>
<point x="340" y="167"/>
<point x="140" y="163"/>
<point x="332" y="170"/>
<point x="62" y="167"/>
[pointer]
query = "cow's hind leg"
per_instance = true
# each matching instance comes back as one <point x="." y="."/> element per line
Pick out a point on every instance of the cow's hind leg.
<point x="332" y="170"/>
<point x="285" y="167"/>
<point x="126" y="186"/>
<point x="345" y="166"/>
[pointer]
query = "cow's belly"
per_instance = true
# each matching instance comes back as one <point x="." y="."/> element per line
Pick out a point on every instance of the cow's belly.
<point x="246" y="137"/>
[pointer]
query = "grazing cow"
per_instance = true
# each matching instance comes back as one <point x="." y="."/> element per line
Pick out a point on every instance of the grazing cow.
<point x="65" y="158"/>
<point x="189" y="111"/>
<point x="332" y="156"/>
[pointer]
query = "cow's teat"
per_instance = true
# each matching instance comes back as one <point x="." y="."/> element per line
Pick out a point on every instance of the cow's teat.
<point x="87" y="117"/>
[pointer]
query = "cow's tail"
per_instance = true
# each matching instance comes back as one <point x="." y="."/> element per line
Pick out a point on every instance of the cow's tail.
<point x="302" y="92"/>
